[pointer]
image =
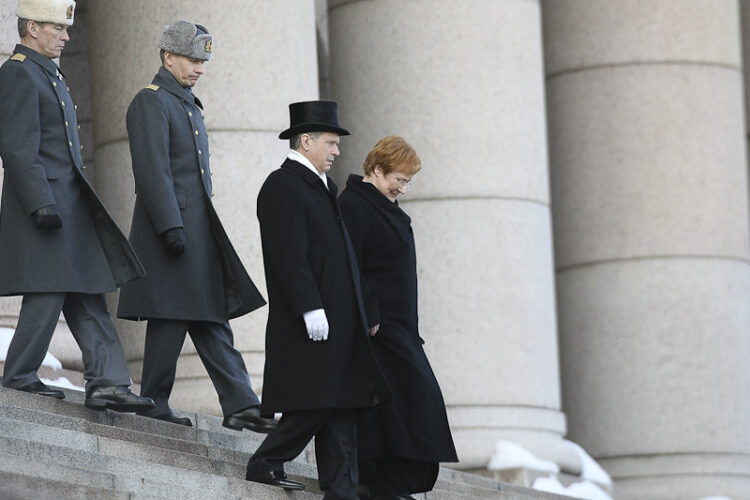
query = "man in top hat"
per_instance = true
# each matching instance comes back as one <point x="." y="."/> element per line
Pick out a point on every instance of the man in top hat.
<point x="59" y="247"/>
<point x="319" y="366"/>
<point x="196" y="281"/>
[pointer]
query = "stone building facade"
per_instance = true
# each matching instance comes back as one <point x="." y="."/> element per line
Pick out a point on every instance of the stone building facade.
<point x="581" y="217"/>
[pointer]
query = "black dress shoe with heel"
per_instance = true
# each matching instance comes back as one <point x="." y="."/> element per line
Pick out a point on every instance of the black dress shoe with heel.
<point x="42" y="390"/>
<point x="249" y="418"/>
<point x="274" y="478"/>
<point x="117" y="398"/>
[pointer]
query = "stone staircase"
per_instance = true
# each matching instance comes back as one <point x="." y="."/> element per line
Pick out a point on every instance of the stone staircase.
<point x="51" y="449"/>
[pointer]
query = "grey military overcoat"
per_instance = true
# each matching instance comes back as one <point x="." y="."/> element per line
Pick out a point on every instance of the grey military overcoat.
<point x="169" y="150"/>
<point x="42" y="163"/>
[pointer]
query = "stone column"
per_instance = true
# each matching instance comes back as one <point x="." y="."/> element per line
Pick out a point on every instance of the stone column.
<point x="264" y="58"/>
<point x="470" y="98"/>
<point x="650" y="206"/>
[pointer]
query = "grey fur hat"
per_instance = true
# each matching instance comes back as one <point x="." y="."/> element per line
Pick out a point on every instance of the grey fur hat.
<point x="187" y="39"/>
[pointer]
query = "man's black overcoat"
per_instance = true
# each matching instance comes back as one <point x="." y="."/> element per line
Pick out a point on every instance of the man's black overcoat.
<point x="42" y="161"/>
<point x="309" y="265"/>
<point x="169" y="151"/>
<point x="414" y="425"/>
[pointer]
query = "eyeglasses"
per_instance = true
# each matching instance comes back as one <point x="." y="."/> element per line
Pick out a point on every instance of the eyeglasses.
<point x="403" y="181"/>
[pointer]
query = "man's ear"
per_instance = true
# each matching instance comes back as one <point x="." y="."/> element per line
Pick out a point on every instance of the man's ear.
<point x="32" y="28"/>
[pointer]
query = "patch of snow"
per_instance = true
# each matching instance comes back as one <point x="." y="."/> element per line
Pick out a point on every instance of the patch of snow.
<point x="509" y="455"/>
<point x="6" y="335"/>
<point x="52" y="362"/>
<point x="62" y="382"/>
<point x="715" y="498"/>
<point x="590" y="470"/>
<point x="584" y="489"/>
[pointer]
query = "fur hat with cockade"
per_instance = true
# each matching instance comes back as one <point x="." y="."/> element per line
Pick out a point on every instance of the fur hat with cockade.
<point x="47" y="11"/>
<point x="187" y="39"/>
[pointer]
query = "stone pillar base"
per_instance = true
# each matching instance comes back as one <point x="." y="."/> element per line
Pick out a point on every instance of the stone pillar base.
<point x="476" y="429"/>
<point x="683" y="475"/>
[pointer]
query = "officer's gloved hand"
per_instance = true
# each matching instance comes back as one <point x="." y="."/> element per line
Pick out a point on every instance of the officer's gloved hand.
<point x="47" y="217"/>
<point x="174" y="240"/>
<point x="317" y="324"/>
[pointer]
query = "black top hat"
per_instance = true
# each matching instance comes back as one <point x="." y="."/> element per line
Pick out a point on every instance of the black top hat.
<point x="313" y="116"/>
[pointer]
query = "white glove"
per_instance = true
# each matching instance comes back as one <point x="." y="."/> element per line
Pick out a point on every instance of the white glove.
<point x="317" y="324"/>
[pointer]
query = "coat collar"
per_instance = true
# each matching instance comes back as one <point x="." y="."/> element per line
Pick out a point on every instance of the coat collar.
<point x="309" y="177"/>
<point x="370" y="193"/>
<point x="38" y="58"/>
<point x="165" y="80"/>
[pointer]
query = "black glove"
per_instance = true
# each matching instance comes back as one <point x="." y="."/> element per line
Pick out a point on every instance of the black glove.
<point x="174" y="240"/>
<point x="47" y="217"/>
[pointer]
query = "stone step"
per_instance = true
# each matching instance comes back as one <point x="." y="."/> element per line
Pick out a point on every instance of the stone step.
<point x="146" y="458"/>
<point x="208" y="431"/>
<point x="28" y="420"/>
<point x="84" y="436"/>
<point x="18" y="487"/>
<point x="143" y="479"/>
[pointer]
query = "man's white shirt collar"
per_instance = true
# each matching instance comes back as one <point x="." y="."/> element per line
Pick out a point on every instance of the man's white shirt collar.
<point x="300" y="158"/>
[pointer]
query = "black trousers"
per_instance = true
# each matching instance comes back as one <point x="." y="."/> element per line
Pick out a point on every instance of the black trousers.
<point x="335" y="432"/>
<point x="89" y="322"/>
<point x="215" y="345"/>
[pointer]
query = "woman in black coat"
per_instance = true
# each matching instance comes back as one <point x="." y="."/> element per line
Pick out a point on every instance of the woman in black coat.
<point x="402" y="442"/>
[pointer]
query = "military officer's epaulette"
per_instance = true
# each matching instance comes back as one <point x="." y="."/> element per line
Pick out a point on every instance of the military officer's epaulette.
<point x="153" y="87"/>
<point x="18" y="57"/>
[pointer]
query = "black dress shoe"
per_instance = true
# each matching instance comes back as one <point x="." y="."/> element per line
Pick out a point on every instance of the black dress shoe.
<point x="171" y="417"/>
<point x="249" y="418"/>
<point x="274" y="478"/>
<point x="39" y="388"/>
<point x="117" y="398"/>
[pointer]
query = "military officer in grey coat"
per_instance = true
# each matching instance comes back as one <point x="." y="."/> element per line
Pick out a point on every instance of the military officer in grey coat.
<point x="59" y="247"/>
<point x="195" y="281"/>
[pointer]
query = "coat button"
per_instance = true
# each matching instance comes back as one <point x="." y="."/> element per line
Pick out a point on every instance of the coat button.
<point x="81" y="147"/>
<point x="200" y="152"/>
<point x="196" y="132"/>
<point x="190" y="113"/>
<point x="203" y="171"/>
<point x="63" y="103"/>
<point x="79" y="127"/>
<point x="66" y="123"/>
<point x="54" y="84"/>
<point x="70" y="143"/>
<point x="75" y="106"/>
